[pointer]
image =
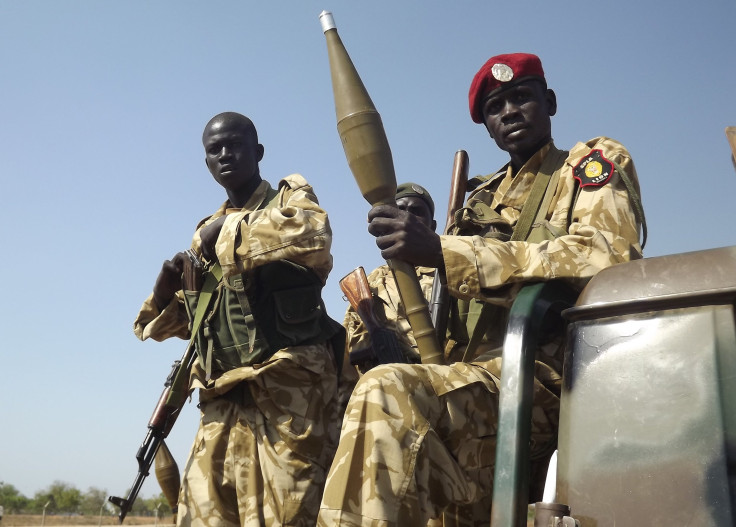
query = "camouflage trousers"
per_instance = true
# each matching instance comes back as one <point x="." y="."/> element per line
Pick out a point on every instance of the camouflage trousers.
<point x="418" y="440"/>
<point x="261" y="453"/>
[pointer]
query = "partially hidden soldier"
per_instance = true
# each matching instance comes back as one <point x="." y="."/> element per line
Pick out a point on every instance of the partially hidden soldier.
<point x="387" y="304"/>
<point x="418" y="440"/>
<point x="266" y="368"/>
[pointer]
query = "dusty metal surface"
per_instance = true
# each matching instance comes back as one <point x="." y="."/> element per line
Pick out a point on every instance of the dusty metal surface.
<point x="648" y="416"/>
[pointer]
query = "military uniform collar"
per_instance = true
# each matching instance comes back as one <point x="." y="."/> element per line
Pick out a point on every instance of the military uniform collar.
<point x="533" y="163"/>
<point x="254" y="202"/>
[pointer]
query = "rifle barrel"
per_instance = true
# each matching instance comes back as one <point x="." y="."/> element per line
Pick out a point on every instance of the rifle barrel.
<point x="439" y="307"/>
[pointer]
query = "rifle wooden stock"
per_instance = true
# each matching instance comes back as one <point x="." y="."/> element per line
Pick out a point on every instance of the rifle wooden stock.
<point x="439" y="305"/>
<point x="383" y="342"/>
<point x="164" y="416"/>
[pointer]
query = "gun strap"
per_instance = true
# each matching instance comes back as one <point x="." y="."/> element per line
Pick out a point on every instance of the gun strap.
<point x="180" y="383"/>
<point x="484" y="319"/>
<point x="541" y="181"/>
<point x="214" y="275"/>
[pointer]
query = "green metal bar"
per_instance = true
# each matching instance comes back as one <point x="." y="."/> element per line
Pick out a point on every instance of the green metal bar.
<point x="526" y="318"/>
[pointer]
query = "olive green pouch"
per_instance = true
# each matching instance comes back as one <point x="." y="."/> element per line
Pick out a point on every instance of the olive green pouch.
<point x="297" y="314"/>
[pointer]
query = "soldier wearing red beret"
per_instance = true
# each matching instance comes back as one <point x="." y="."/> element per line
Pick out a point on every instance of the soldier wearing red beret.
<point x="418" y="440"/>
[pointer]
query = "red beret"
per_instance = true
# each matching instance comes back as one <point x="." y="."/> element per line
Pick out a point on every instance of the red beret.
<point x="501" y="71"/>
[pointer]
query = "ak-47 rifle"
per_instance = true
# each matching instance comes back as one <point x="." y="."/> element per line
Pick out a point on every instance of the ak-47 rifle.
<point x="439" y="305"/>
<point x="169" y="405"/>
<point x="164" y="416"/>
<point x="384" y="345"/>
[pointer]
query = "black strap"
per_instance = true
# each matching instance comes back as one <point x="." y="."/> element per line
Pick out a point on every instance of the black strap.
<point x="635" y="201"/>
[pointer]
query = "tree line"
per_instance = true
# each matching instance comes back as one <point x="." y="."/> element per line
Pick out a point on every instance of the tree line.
<point x="64" y="498"/>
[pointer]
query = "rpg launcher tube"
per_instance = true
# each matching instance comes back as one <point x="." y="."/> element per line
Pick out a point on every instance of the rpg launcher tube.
<point x="369" y="157"/>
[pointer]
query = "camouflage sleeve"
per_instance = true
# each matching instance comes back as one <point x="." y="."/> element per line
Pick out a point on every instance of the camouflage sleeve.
<point x="349" y="374"/>
<point x="161" y="325"/>
<point x="603" y="231"/>
<point x="295" y="229"/>
<point x="356" y="335"/>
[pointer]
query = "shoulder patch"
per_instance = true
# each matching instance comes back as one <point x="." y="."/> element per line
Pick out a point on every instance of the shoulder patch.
<point x="593" y="169"/>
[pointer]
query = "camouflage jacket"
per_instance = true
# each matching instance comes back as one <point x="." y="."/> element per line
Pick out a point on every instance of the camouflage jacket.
<point x="293" y="228"/>
<point x="590" y="227"/>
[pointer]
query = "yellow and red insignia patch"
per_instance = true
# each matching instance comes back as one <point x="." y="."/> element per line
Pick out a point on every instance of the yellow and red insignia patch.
<point x="593" y="170"/>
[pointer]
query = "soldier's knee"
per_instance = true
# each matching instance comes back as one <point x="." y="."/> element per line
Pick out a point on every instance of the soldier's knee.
<point x="388" y="375"/>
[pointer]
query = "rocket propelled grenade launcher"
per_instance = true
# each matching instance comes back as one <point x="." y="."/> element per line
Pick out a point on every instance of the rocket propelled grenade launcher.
<point x="369" y="157"/>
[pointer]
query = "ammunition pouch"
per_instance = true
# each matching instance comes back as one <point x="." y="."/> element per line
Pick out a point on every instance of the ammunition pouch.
<point x="254" y="314"/>
<point x="287" y="304"/>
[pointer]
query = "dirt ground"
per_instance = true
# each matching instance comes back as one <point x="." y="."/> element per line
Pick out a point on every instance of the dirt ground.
<point x="30" y="520"/>
<point x="51" y="520"/>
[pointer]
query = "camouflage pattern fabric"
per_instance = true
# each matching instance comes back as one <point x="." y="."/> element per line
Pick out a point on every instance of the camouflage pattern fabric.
<point x="419" y="440"/>
<point x="603" y="231"/>
<point x="389" y="310"/>
<point x="260" y="457"/>
<point x="295" y="229"/>
<point x="260" y="461"/>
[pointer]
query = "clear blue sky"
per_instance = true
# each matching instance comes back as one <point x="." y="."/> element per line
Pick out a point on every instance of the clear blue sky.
<point x="102" y="172"/>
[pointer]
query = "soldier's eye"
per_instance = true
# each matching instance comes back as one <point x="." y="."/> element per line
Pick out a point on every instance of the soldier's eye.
<point x="493" y="106"/>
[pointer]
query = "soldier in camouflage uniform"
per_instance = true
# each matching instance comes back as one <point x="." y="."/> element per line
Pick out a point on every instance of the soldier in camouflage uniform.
<point x="266" y="371"/>
<point x="419" y="440"/>
<point x="388" y="308"/>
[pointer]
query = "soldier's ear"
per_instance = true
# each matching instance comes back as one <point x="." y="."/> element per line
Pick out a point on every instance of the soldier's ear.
<point x="551" y="102"/>
<point x="434" y="225"/>
<point x="260" y="151"/>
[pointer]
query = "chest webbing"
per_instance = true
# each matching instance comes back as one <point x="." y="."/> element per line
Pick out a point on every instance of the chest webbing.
<point x="205" y="309"/>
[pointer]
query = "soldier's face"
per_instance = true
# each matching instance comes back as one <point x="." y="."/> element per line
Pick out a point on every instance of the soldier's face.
<point x="518" y="118"/>
<point x="232" y="154"/>
<point x="418" y="207"/>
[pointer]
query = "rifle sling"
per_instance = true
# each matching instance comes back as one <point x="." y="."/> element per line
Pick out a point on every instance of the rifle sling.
<point x="205" y="295"/>
<point x="541" y="181"/>
<point x="180" y="383"/>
